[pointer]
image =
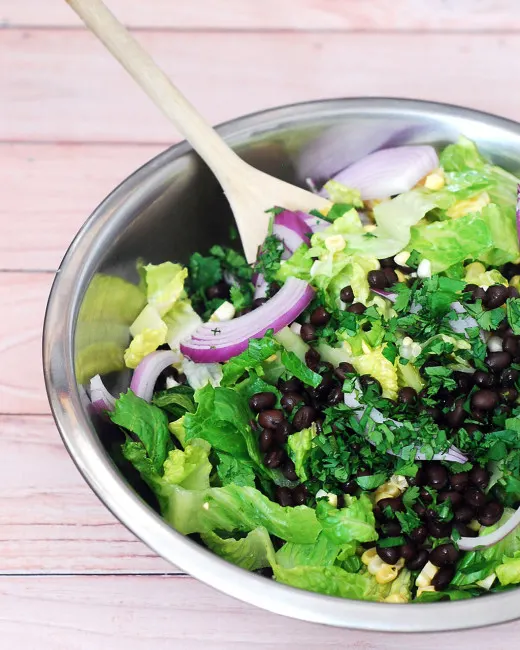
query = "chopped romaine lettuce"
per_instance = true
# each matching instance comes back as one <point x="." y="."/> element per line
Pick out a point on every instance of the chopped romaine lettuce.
<point x="299" y="445"/>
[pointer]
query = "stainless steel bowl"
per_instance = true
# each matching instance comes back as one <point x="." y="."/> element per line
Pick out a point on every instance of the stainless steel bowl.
<point x="173" y="206"/>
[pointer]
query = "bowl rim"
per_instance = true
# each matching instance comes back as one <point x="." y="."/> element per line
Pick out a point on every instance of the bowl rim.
<point x="109" y="485"/>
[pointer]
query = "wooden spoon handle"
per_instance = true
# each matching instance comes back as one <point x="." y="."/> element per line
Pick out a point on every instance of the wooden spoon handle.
<point x="116" y="38"/>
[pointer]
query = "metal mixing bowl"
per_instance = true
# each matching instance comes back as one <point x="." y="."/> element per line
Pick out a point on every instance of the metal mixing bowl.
<point x="173" y="206"/>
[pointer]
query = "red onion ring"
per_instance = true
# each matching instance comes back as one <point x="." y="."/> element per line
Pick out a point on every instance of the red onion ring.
<point x="472" y="543"/>
<point x="385" y="294"/>
<point x="101" y="399"/>
<point x="388" y="172"/>
<point x="147" y="372"/>
<point x="216" y="342"/>
<point x="260" y="286"/>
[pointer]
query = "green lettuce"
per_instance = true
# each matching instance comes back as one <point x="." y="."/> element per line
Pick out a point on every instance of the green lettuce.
<point x="354" y="522"/>
<point x="297" y="266"/>
<point x="299" y="446"/>
<point x="323" y="553"/>
<point x="189" y="468"/>
<point x="232" y="470"/>
<point x="508" y="572"/>
<point x="251" y="552"/>
<point x="181" y="320"/>
<point x="164" y="285"/>
<point x="339" y="193"/>
<point x="258" y="351"/>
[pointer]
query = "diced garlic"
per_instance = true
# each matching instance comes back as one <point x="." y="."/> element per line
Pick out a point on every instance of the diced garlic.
<point x="171" y="383"/>
<point x="225" y="312"/>
<point x="424" y="270"/>
<point x="494" y="344"/>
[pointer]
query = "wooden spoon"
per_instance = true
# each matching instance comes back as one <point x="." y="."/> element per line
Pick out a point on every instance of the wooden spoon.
<point x="249" y="191"/>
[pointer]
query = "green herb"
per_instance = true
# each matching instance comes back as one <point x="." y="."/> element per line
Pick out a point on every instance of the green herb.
<point x="513" y="314"/>
<point x="177" y="400"/>
<point x="258" y="351"/>
<point x="371" y="482"/>
<point x="389" y="542"/>
<point x="268" y="262"/>
<point x="298" y="369"/>
<point x="487" y="319"/>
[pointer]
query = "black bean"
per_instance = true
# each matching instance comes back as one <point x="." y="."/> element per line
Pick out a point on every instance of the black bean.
<point x="327" y="382"/>
<point x="471" y="428"/>
<point x="513" y="292"/>
<point x="503" y="409"/>
<point x="459" y="481"/>
<point x="443" y="577"/>
<point x="290" y="400"/>
<point x="450" y="495"/>
<point x="299" y="495"/>
<point x="464" y="530"/>
<point x="335" y="396"/>
<point x="312" y="359"/>
<point x="347" y="294"/>
<point x="510" y="344"/>
<point x="408" y="551"/>
<point x="509" y="270"/>
<point x="464" y="381"/>
<point x="392" y="528"/>
<point x="419" y="478"/>
<point x="508" y="395"/>
<point x="508" y="377"/>
<point x="391" y="276"/>
<point x="219" y="290"/>
<point x="291" y="385"/>
<point x="477" y="293"/>
<point x="308" y="333"/>
<point x="258" y="302"/>
<point x="419" y="534"/>
<point x="262" y="401"/>
<point x="288" y="470"/>
<point x="270" y="419"/>
<point x="496" y="295"/>
<point x="343" y="370"/>
<point x="484" y="400"/>
<point x="349" y="487"/>
<point x="424" y="495"/>
<point x="464" y="514"/>
<point x="357" y="308"/>
<point x="444" y="555"/>
<point x="498" y="360"/>
<point x="265" y="440"/>
<point x="490" y="513"/>
<point x="304" y="417"/>
<point x="368" y="381"/>
<point x="181" y="378"/>
<point x="274" y="458"/>
<point x="419" y="509"/>
<point x="435" y="413"/>
<point x="407" y="395"/>
<point x="479" y="477"/>
<point x="436" y="476"/>
<point x="389" y="554"/>
<point x="417" y="563"/>
<point x="395" y="504"/>
<point x="284" y="496"/>
<point x="244" y="311"/>
<point x="439" y="529"/>
<point x="474" y="497"/>
<point x="484" y="379"/>
<point x="282" y="432"/>
<point x="377" y="279"/>
<point x="457" y="415"/>
<point x="320" y="316"/>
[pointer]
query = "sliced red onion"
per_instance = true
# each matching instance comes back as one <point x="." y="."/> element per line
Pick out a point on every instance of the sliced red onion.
<point x="214" y="342"/>
<point x="518" y="212"/>
<point x="460" y="325"/>
<point x="385" y="294"/>
<point x="316" y="224"/>
<point x="102" y="400"/>
<point x="472" y="543"/>
<point x="388" y="172"/>
<point x="453" y="455"/>
<point x="147" y="372"/>
<point x="291" y="229"/>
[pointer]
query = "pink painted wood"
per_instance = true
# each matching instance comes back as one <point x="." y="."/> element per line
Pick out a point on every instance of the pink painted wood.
<point x="63" y="86"/>
<point x="140" y="613"/>
<point x="465" y="15"/>
<point x="53" y="189"/>
<point x="71" y="127"/>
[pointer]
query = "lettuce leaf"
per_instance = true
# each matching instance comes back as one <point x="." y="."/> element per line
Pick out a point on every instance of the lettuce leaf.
<point x="509" y="571"/>
<point x="355" y="522"/>
<point x="323" y="553"/>
<point x="232" y="470"/>
<point x="148" y="422"/>
<point x="181" y="321"/>
<point x="299" y="445"/>
<point x="189" y="468"/>
<point x="258" y="351"/>
<point x="250" y="552"/>
<point x="299" y="369"/>
<point x="164" y="285"/>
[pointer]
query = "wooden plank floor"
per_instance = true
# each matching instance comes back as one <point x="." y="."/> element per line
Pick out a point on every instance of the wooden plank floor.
<point x="72" y="126"/>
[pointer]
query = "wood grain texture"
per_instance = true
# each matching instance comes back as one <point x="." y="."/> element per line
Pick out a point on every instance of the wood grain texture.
<point x="446" y="15"/>
<point x="23" y="297"/>
<point x="141" y="613"/>
<point x="50" y="520"/>
<point x="63" y="86"/>
<point x="52" y="190"/>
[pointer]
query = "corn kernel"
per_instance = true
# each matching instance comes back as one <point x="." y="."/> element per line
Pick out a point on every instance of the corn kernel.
<point x="386" y="491"/>
<point x="387" y="573"/>
<point x="375" y="565"/>
<point x="422" y="589"/>
<point x="401" y="258"/>
<point x="515" y="282"/>
<point x="435" y="180"/>
<point x="368" y="555"/>
<point x="400" y="275"/>
<point x="335" y="243"/>
<point x="474" y="525"/>
<point x="225" y="312"/>
<point x="369" y="227"/>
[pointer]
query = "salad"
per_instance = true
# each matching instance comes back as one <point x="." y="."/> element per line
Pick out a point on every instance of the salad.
<point x="342" y="415"/>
